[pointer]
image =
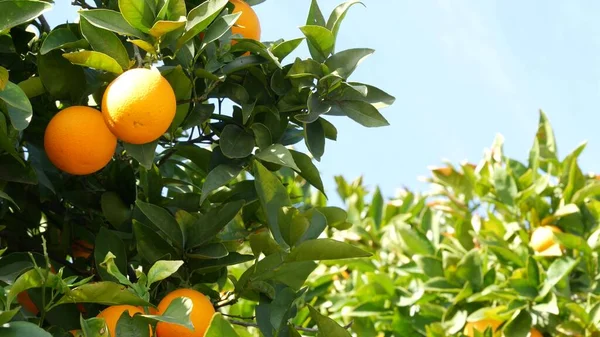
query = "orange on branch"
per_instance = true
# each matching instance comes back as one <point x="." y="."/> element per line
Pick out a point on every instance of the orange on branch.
<point x="542" y="241"/>
<point x="248" y="24"/>
<point x="78" y="142"/>
<point x="535" y="333"/>
<point x="202" y="313"/>
<point x="112" y="314"/>
<point x="139" y="106"/>
<point x="481" y="326"/>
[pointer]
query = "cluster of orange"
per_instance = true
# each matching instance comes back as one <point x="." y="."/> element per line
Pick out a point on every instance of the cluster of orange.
<point x="200" y="316"/>
<point x="137" y="108"/>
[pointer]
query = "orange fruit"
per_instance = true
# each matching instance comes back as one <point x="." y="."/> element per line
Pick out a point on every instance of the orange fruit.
<point x="535" y="333"/>
<point x="139" y="106"/>
<point x="76" y="333"/>
<point x="481" y="326"/>
<point x="202" y="313"/>
<point x="248" y="24"/>
<point x="25" y="301"/>
<point x="112" y="314"/>
<point x="542" y="241"/>
<point x="81" y="248"/>
<point x="78" y="142"/>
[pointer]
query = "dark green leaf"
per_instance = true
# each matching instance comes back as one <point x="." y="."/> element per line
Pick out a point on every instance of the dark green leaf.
<point x="18" y="12"/>
<point x="314" y="137"/>
<point x="327" y="326"/>
<point x="151" y="246"/>
<point x="219" y="176"/>
<point x="114" y="209"/>
<point x="236" y="142"/>
<point x="104" y="41"/>
<point x="219" y="327"/>
<point x="278" y="154"/>
<point x="199" y="18"/>
<point x="61" y="78"/>
<point x="273" y="196"/>
<point x="338" y="15"/>
<point x="162" y="269"/>
<point x="519" y="326"/>
<point x="320" y="40"/>
<point x="131" y="326"/>
<point x="219" y="28"/>
<point x="363" y="113"/>
<point x="21" y="328"/>
<point x="110" y="20"/>
<point x="262" y="135"/>
<point x="211" y="223"/>
<point x="308" y="170"/>
<point x="18" y="105"/>
<point x="143" y="153"/>
<point x="345" y="62"/>
<point x="108" y="241"/>
<point x="60" y="38"/>
<point x="164" y="221"/>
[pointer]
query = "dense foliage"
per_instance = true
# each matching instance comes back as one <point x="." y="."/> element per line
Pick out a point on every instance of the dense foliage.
<point x="221" y="188"/>
<point x="461" y="252"/>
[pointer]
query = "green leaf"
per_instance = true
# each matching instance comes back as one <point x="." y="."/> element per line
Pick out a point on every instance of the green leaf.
<point x="182" y="86"/>
<point x="325" y="249"/>
<point x="211" y="223"/>
<point x="162" y="269"/>
<point x="519" y="325"/>
<point x="327" y="326"/>
<point x="315" y="16"/>
<point x="143" y="153"/>
<point x="3" y="78"/>
<point x="219" y="327"/>
<point x="278" y="154"/>
<point x="94" y="59"/>
<point x="137" y="13"/>
<point x="308" y="170"/>
<point x="7" y="197"/>
<point x="374" y="96"/>
<point x="345" y="62"/>
<point x="558" y="270"/>
<point x="273" y="196"/>
<point x="6" y="141"/>
<point x="314" y="137"/>
<point x="17" y="12"/>
<point x="60" y="38"/>
<point x="150" y="245"/>
<point x="363" y="113"/>
<point x="338" y="15"/>
<point x="469" y="269"/>
<point x="547" y="143"/>
<point x="210" y="251"/>
<point x="376" y="208"/>
<point x="61" y="78"/>
<point x="163" y="27"/>
<point x="316" y="108"/>
<point x="164" y="221"/>
<point x="219" y="176"/>
<point x="219" y="28"/>
<point x="131" y="326"/>
<point x="106" y="293"/>
<point x="18" y="105"/>
<point x="114" y="209"/>
<point x="149" y="48"/>
<point x="199" y="18"/>
<point x="7" y="316"/>
<point x="506" y="187"/>
<point x="178" y="312"/>
<point x="588" y="191"/>
<point x="34" y="278"/>
<point x="111" y="20"/>
<point x="236" y="142"/>
<point x="21" y="328"/>
<point x="574" y="242"/>
<point x="320" y="40"/>
<point x="32" y="87"/>
<point x="283" y="49"/>
<point x="108" y="241"/>
<point x="105" y="42"/>
<point x="414" y="241"/>
<point x="172" y="10"/>
<point x="94" y="327"/>
<point x="262" y="135"/>
<point x="111" y="269"/>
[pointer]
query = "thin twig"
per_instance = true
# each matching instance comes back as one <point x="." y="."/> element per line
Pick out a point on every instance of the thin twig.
<point x="202" y="97"/>
<point x="226" y="303"/>
<point x="82" y="4"/>
<point x="299" y="328"/>
<point x="45" y="25"/>
<point x="240" y="317"/>
<point x="138" y="56"/>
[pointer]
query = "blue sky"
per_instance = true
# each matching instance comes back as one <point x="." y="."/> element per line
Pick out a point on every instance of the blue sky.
<point x="462" y="71"/>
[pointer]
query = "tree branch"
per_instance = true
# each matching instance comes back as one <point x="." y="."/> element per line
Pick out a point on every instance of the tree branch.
<point x="138" y="56"/>
<point x="201" y="98"/>
<point x="45" y="25"/>
<point x="299" y="328"/>
<point x="82" y="4"/>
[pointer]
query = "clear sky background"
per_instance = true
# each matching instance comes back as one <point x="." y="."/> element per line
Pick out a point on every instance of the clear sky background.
<point x="462" y="71"/>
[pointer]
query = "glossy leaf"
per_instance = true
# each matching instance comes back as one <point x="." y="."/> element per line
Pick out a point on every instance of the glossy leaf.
<point x="111" y="20"/>
<point x="325" y="249"/>
<point x="105" y="42"/>
<point x="94" y="59"/>
<point x="17" y="12"/>
<point x="18" y="105"/>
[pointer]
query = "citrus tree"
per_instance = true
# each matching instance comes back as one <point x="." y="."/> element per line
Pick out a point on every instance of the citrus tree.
<point x="500" y="248"/>
<point x="147" y="184"/>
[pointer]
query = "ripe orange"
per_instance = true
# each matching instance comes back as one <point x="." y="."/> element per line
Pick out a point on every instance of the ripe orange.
<point x="76" y="333"/>
<point x="481" y="326"/>
<point x="542" y="241"/>
<point x="112" y="314"/>
<point x="202" y="313"/>
<point x="78" y="142"/>
<point x="535" y="333"/>
<point x="248" y="24"/>
<point x="139" y="106"/>
<point x="81" y="248"/>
